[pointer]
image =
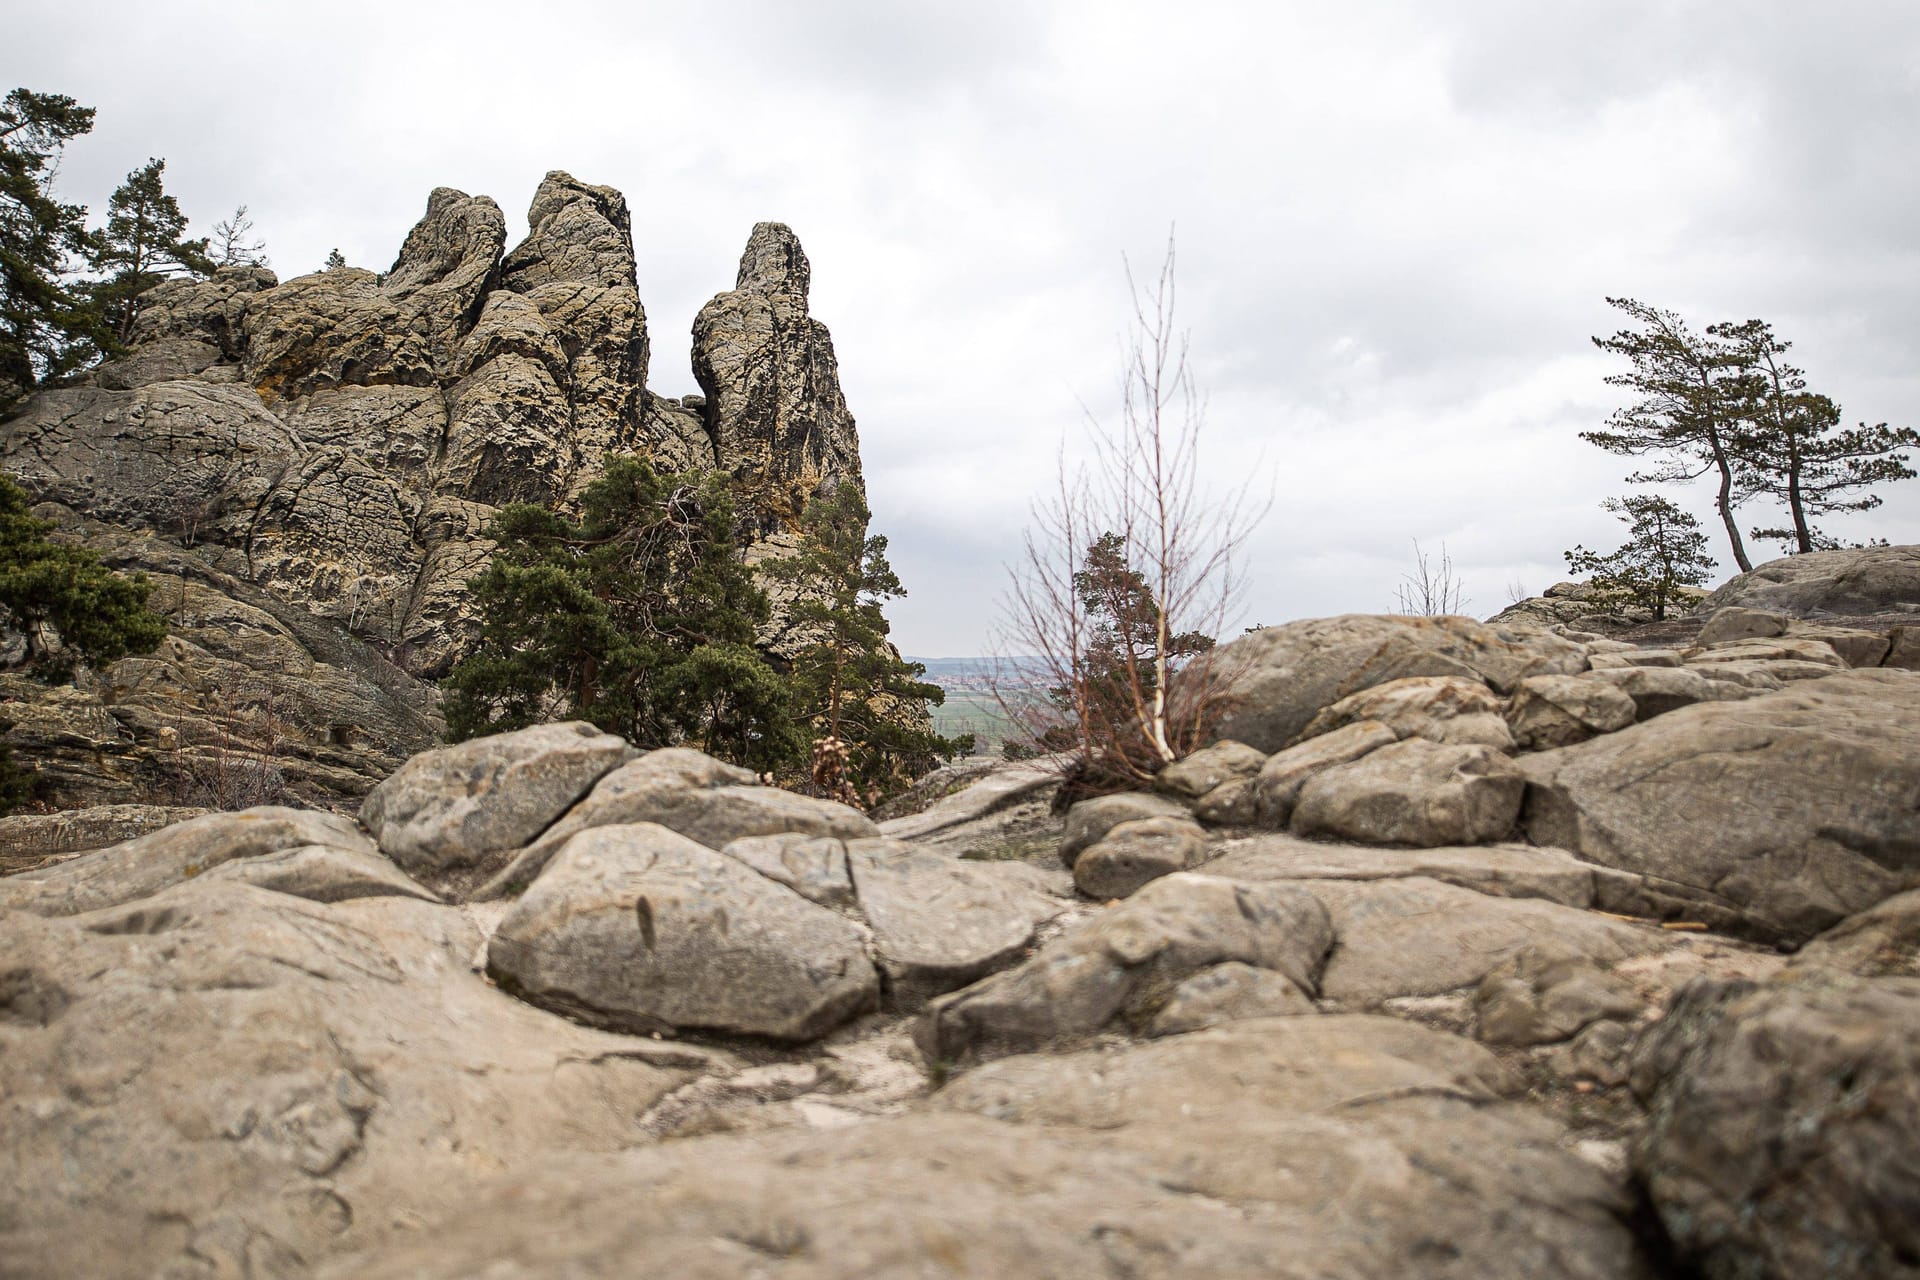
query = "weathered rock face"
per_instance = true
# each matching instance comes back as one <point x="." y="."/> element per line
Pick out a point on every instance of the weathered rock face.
<point x="451" y="808"/>
<point x="774" y="407"/>
<point x="225" y="1080"/>
<point x="1287" y="675"/>
<point x="1577" y="606"/>
<point x="1784" y="1130"/>
<point x="1414" y="792"/>
<point x="1780" y="814"/>
<point x="1123" y="963"/>
<point x="1865" y="580"/>
<point x="334" y="447"/>
<point x="639" y="929"/>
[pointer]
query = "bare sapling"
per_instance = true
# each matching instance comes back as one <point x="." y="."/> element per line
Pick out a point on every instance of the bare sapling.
<point x="1128" y="571"/>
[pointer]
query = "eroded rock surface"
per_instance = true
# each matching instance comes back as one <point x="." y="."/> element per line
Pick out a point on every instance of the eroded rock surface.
<point x="252" y="1044"/>
<point x="220" y="1079"/>
<point x="1780" y="814"/>
<point x="1784" y="1127"/>
<point x="1123" y="962"/>
<point x="637" y="928"/>
<point x="1288" y="674"/>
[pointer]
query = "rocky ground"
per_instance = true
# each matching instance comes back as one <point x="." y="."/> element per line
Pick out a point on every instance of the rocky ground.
<point x="1469" y="951"/>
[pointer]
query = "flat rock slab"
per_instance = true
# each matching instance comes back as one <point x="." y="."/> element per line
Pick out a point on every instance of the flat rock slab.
<point x="173" y="855"/>
<point x="323" y="873"/>
<point x="637" y="928"/>
<point x="1373" y="1148"/>
<point x="1002" y="787"/>
<point x="1124" y="962"/>
<point x="1503" y="870"/>
<point x="1418" y="937"/>
<point x="939" y="923"/>
<point x="222" y="1080"/>
<point x="451" y="808"/>
<point x="1782" y="814"/>
<point x="1783" y="1134"/>
<point x="1414" y="792"/>
<point x="30" y="839"/>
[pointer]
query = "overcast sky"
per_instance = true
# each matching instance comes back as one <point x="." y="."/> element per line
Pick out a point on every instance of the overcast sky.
<point x="1397" y="223"/>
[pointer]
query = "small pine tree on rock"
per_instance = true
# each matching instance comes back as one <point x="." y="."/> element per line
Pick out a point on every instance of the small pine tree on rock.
<point x="1665" y="550"/>
<point x="143" y="243"/>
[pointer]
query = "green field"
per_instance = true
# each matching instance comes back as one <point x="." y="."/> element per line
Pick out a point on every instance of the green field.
<point x="972" y="711"/>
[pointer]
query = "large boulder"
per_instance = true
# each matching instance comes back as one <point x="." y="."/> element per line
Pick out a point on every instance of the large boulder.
<point x="464" y="807"/>
<point x="1134" y="853"/>
<point x="1284" y="676"/>
<point x="1414" y="792"/>
<point x="1412" y="936"/>
<point x="1123" y="963"/>
<point x="939" y="923"/>
<point x="1783" y="1131"/>
<point x="690" y="793"/>
<point x="1277" y="788"/>
<point x="1778" y="815"/>
<point x="1089" y="821"/>
<point x="1445" y="709"/>
<point x="637" y="928"/>
<point x="1864" y="580"/>
<point x="1558" y="711"/>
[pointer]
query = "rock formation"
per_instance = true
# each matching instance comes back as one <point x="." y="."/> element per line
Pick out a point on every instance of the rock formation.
<point x="554" y="1006"/>
<point x="307" y="468"/>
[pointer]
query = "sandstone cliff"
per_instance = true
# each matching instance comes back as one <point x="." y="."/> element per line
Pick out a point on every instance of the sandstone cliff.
<point x="307" y="467"/>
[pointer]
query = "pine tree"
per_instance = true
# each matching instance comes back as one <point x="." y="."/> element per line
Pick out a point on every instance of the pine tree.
<point x="1664" y="551"/>
<point x="45" y="330"/>
<point x="143" y="243"/>
<point x="335" y="260"/>
<point x="233" y="242"/>
<point x="638" y="617"/>
<point x="1790" y="447"/>
<point x="1120" y="663"/>
<point x="1689" y="411"/>
<point x="849" y="682"/>
<point x="69" y="606"/>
